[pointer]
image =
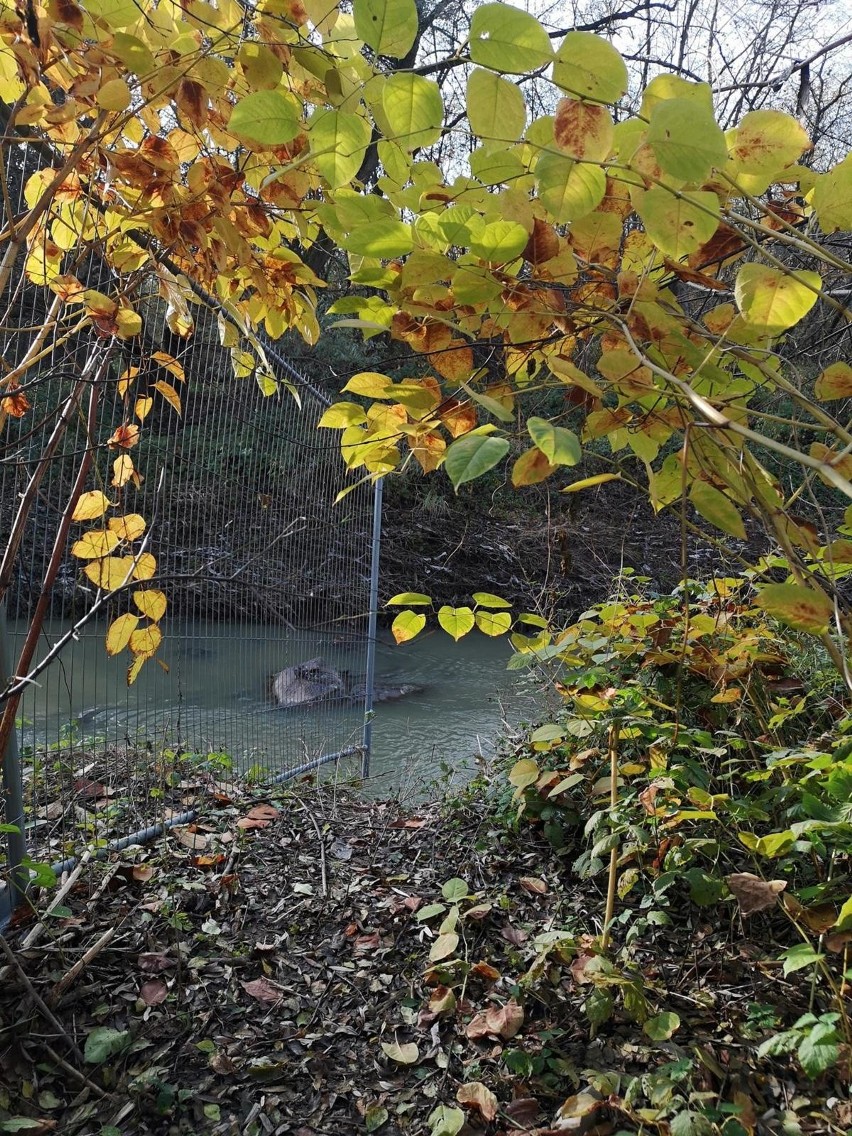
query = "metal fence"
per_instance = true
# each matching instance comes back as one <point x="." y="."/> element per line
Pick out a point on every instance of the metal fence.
<point x="261" y="568"/>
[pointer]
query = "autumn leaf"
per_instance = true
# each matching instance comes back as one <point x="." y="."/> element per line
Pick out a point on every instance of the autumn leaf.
<point x="264" y="991"/>
<point x="407" y="1054"/>
<point x="752" y="892"/>
<point x="479" y="1098"/>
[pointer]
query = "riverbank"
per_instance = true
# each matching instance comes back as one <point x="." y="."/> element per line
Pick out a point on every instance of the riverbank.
<point x="316" y="964"/>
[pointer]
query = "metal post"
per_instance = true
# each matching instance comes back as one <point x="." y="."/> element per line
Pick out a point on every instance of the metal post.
<point x="371" y="626"/>
<point x="12" y="791"/>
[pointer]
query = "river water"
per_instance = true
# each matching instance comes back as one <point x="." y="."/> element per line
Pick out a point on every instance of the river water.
<point x="214" y="698"/>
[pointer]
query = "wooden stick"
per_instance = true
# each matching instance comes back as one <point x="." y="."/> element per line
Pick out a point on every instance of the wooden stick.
<point x="47" y="1014"/>
<point x="75" y="1073"/>
<point x="36" y="933"/>
<point x="79" y="966"/>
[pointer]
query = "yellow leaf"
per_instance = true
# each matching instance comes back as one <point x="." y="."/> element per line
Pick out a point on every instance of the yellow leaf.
<point x="114" y="95"/>
<point x="146" y="641"/>
<point x="143" y="406"/>
<point x="129" y="527"/>
<point x="134" y="669"/>
<point x="122" y="470"/>
<point x="110" y="572"/>
<point x="127" y="323"/>
<point x="406" y="625"/>
<point x="94" y="544"/>
<point x="91" y="506"/>
<point x="146" y="566"/>
<point x="118" y="635"/>
<point x="169" y="394"/>
<point x="170" y="364"/>
<point x="151" y="603"/>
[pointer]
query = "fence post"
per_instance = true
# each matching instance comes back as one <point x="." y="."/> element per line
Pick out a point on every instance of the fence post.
<point x="12" y="791"/>
<point x="375" y="553"/>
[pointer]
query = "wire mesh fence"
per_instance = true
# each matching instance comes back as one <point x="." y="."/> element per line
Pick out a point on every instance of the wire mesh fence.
<point x="262" y="570"/>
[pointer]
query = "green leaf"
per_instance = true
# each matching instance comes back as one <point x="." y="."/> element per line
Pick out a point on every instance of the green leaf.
<point x="455" y="889"/>
<point x="559" y="446"/>
<point x="500" y="241"/>
<point x="679" y="223"/>
<point x="445" y="1121"/>
<point x="456" y="621"/>
<point x="409" y="599"/>
<point x="716" y="508"/>
<point x="567" y="189"/>
<point x="686" y="139"/>
<point x="338" y="144"/>
<point x="523" y="773"/>
<point x="407" y="626"/>
<point x="507" y="39"/>
<point x="495" y="107"/>
<point x="486" y="599"/>
<point x="414" y="110"/>
<point x="472" y="456"/>
<point x="798" y="957"/>
<point x="833" y="197"/>
<point x="661" y="1026"/>
<point x="772" y="301"/>
<point x="103" y="1043"/>
<point x="383" y="239"/>
<point x="341" y="415"/>
<point x="590" y="68"/>
<point x="819" y="1049"/>
<point x="388" y="26"/>
<point x="493" y="623"/>
<point x="375" y="1117"/>
<point x="844" y="919"/>
<point x="797" y="606"/>
<point x="269" y="118"/>
<point x="429" y="912"/>
<point x="598" y="1006"/>
<point x="688" y="1123"/>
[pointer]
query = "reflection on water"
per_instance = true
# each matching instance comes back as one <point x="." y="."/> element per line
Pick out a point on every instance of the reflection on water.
<point x="214" y="697"/>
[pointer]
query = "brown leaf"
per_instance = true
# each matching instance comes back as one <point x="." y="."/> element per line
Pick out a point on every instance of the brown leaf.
<point x="142" y="873"/>
<point x="153" y="962"/>
<point x="523" y="1111"/>
<point x="88" y="789"/>
<point x="485" y="971"/>
<point x="753" y="893"/>
<point x="475" y="1095"/>
<point x="221" y="1063"/>
<point x="514" y="935"/>
<point x="533" y="885"/>
<point x="504" y="1021"/>
<point x="261" y="816"/>
<point x="153" y="992"/>
<point x="189" y="838"/>
<point x="263" y="990"/>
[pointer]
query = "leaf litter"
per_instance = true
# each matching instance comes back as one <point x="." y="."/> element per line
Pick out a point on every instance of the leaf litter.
<point x="281" y="983"/>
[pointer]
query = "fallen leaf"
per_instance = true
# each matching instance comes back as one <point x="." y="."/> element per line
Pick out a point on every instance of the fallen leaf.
<point x="753" y="893"/>
<point x="475" y="1095"/>
<point x="87" y="789"/>
<point x="514" y="935"/>
<point x="504" y="1021"/>
<point x="523" y="1111"/>
<point x="442" y="1001"/>
<point x="533" y="885"/>
<point x="153" y="992"/>
<point x="341" y="850"/>
<point x="485" y="971"/>
<point x="191" y="839"/>
<point x="142" y="873"/>
<point x="364" y="944"/>
<point x="263" y="990"/>
<point x="153" y="962"/>
<point x="221" y="1063"/>
<point x="406" y="1054"/>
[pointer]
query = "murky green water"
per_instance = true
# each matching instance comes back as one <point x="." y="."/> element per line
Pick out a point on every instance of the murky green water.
<point x="214" y="697"/>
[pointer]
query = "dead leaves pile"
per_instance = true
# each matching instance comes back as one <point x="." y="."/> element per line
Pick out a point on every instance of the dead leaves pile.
<point x="272" y="970"/>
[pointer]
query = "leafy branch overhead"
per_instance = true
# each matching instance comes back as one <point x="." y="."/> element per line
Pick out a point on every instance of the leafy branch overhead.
<point x="560" y="232"/>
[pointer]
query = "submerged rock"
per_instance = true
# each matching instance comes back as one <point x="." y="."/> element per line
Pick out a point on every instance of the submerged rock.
<point x="308" y="683"/>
